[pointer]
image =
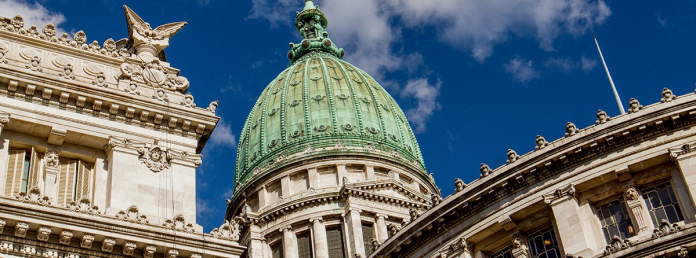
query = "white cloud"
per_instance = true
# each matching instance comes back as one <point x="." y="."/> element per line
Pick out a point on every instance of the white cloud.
<point x="276" y="12"/>
<point x="566" y="64"/>
<point x="223" y="136"/>
<point x="33" y="14"/>
<point x="587" y="64"/>
<point x="523" y="70"/>
<point x="425" y="95"/>
<point x="202" y="207"/>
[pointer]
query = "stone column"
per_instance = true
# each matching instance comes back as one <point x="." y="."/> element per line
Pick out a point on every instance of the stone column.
<point x="685" y="158"/>
<point x="4" y="119"/>
<point x="638" y="212"/>
<point x="382" y="234"/>
<point x="51" y="170"/>
<point x="356" y="235"/>
<point x="579" y="236"/>
<point x="257" y="244"/>
<point x="321" y="244"/>
<point x="290" y="249"/>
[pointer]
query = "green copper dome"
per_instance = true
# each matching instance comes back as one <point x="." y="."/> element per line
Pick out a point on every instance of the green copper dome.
<point x="322" y="106"/>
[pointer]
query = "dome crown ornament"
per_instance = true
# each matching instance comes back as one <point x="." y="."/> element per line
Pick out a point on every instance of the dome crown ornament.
<point x="311" y="23"/>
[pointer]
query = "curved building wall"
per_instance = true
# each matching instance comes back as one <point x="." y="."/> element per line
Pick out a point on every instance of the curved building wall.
<point x="622" y="188"/>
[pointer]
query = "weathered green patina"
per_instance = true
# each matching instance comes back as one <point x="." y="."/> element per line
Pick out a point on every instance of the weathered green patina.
<point x="322" y="106"/>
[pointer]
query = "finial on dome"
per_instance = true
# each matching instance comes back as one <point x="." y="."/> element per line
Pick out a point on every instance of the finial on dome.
<point x="311" y="23"/>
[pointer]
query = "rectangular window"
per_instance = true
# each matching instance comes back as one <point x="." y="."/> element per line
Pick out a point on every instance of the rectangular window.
<point x="304" y="246"/>
<point x="25" y="174"/>
<point x="504" y="253"/>
<point x="543" y="244"/>
<point x="662" y="204"/>
<point x="368" y="234"/>
<point x="335" y="238"/>
<point x="277" y="250"/>
<point x="614" y="219"/>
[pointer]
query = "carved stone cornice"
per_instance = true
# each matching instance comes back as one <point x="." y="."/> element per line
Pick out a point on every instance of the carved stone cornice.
<point x="164" y="156"/>
<point x="561" y="193"/>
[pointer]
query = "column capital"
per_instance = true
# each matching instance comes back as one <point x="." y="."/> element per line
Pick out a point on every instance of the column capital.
<point x="380" y="215"/>
<point x="4" y="119"/>
<point x="564" y="193"/>
<point x="317" y="219"/>
<point x="286" y="228"/>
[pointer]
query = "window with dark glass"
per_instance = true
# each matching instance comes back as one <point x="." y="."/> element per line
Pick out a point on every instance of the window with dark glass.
<point x="334" y="236"/>
<point x="662" y="204"/>
<point x="503" y="253"/>
<point x="368" y="235"/>
<point x="277" y="250"/>
<point x="543" y="244"/>
<point x="304" y="246"/>
<point x="614" y="219"/>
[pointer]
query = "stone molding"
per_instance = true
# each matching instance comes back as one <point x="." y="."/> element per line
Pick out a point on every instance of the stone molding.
<point x="560" y="194"/>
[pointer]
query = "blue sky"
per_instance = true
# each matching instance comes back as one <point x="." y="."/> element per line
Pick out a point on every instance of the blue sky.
<point x="475" y="77"/>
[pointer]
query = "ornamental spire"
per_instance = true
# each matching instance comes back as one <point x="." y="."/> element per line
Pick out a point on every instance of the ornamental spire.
<point x="311" y="23"/>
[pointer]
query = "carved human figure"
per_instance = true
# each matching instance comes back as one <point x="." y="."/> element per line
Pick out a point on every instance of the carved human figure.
<point x="512" y="156"/>
<point x="602" y="117"/>
<point x="571" y="129"/>
<point x="634" y="106"/>
<point x="459" y="185"/>
<point x="540" y="142"/>
<point x="485" y="170"/>
<point x="667" y="95"/>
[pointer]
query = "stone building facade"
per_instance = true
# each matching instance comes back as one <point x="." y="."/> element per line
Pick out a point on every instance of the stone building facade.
<point x="99" y="144"/>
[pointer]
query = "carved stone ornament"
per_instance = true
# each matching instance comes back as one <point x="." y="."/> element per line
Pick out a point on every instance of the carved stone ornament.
<point x="83" y="206"/>
<point x="21" y="229"/>
<point x="414" y="214"/>
<point x="212" y="107"/>
<point x="375" y="243"/>
<point x="155" y="75"/>
<point x="129" y="248"/>
<point x="2" y="225"/>
<point x="436" y="199"/>
<point x="155" y="158"/>
<point x="571" y="129"/>
<point x="99" y="79"/>
<point x="149" y="251"/>
<point x="683" y="252"/>
<point x="228" y="230"/>
<point x="667" y="95"/>
<point x="632" y="194"/>
<point x="4" y="119"/>
<point x="172" y="253"/>
<point x="540" y="142"/>
<point x="43" y="233"/>
<point x="459" y="185"/>
<point x="132" y="88"/>
<point x="148" y="42"/>
<point x="485" y="170"/>
<point x="132" y="214"/>
<point x="602" y="117"/>
<point x="634" y="106"/>
<point x="568" y="191"/>
<point x="617" y="244"/>
<point x="179" y="224"/>
<point x="512" y="156"/>
<point x="34" y="64"/>
<point x="674" y="153"/>
<point x="108" y="244"/>
<point x="34" y="196"/>
<point x="665" y="228"/>
<point x="86" y="241"/>
<point x="3" y="53"/>
<point x="188" y="101"/>
<point x="68" y="72"/>
<point x="393" y="228"/>
<point x="51" y="159"/>
<point x="65" y="237"/>
<point x="519" y="248"/>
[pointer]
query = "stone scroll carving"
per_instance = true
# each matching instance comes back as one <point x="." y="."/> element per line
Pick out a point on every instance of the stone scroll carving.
<point x="34" y="196"/>
<point x="179" y="224"/>
<point x="568" y="191"/>
<point x="230" y="230"/>
<point x="617" y="244"/>
<point x="132" y="214"/>
<point x="83" y="206"/>
<point x="665" y="228"/>
<point x="155" y="158"/>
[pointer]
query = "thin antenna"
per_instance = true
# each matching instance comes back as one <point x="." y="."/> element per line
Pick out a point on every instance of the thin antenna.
<point x="613" y="87"/>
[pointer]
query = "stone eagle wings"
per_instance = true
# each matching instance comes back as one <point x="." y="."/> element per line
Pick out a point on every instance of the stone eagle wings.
<point x="136" y="24"/>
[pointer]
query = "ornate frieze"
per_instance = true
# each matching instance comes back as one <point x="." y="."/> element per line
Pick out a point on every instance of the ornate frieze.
<point x="155" y="157"/>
